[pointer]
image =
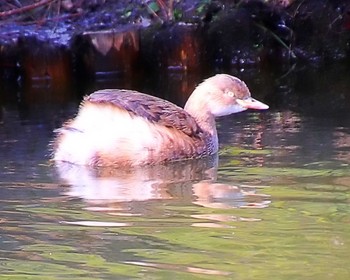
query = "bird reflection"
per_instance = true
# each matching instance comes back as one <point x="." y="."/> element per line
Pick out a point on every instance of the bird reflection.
<point x="192" y="181"/>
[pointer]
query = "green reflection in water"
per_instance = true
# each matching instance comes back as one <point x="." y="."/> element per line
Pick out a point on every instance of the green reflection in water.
<point x="16" y="269"/>
<point x="303" y="234"/>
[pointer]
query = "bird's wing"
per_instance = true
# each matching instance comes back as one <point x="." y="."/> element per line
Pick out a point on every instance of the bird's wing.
<point x="154" y="109"/>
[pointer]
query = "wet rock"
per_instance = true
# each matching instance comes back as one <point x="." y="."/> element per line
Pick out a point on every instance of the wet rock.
<point x="8" y="63"/>
<point x="122" y="37"/>
<point x="319" y="29"/>
<point x="106" y="52"/>
<point x="175" y="47"/>
<point x="44" y="62"/>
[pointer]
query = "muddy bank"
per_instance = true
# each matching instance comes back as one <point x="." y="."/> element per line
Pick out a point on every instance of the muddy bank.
<point x="83" y="39"/>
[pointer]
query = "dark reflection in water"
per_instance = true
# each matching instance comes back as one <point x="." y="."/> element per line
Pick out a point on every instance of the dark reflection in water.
<point x="309" y="91"/>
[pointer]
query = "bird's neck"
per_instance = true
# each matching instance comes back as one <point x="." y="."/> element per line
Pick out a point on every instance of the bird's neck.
<point x="206" y="122"/>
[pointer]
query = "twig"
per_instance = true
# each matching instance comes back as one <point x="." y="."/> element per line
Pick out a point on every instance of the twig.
<point x="25" y="8"/>
<point x="153" y="12"/>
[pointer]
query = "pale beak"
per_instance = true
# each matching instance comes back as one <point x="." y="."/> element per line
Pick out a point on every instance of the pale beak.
<point x="251" y="103"/>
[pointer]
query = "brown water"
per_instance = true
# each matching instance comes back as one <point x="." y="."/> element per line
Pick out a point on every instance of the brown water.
<point x="273" y="205"/>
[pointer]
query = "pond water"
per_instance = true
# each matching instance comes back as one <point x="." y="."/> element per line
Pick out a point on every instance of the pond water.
<point x="275" y="204"/>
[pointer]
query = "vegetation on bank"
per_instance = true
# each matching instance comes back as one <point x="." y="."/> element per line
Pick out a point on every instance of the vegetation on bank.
<point x="40" y="11"/>
<point x="224" y="33"/>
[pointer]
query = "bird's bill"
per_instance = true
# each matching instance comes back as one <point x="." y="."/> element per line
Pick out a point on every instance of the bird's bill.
<point x="251" y="103"/>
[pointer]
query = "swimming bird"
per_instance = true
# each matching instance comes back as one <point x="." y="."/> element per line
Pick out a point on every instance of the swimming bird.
<point x="117" y="127"/>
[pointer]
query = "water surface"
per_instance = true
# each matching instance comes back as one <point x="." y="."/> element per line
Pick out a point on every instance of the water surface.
<point x="273" y="205"/>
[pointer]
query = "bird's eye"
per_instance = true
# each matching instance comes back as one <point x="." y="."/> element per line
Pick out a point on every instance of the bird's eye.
<point x="231" y="94"/>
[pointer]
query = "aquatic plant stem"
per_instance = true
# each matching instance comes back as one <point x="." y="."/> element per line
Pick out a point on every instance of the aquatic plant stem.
<point x="278" y="39"/>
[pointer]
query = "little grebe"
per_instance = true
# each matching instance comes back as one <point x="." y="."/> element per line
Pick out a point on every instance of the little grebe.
<point x="127" y="128"/>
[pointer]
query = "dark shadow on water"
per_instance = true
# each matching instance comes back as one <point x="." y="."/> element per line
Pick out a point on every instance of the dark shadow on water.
<point x="306" y="90"/>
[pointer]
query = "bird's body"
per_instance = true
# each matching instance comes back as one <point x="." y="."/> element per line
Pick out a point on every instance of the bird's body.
<point x="128" y="128"/>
